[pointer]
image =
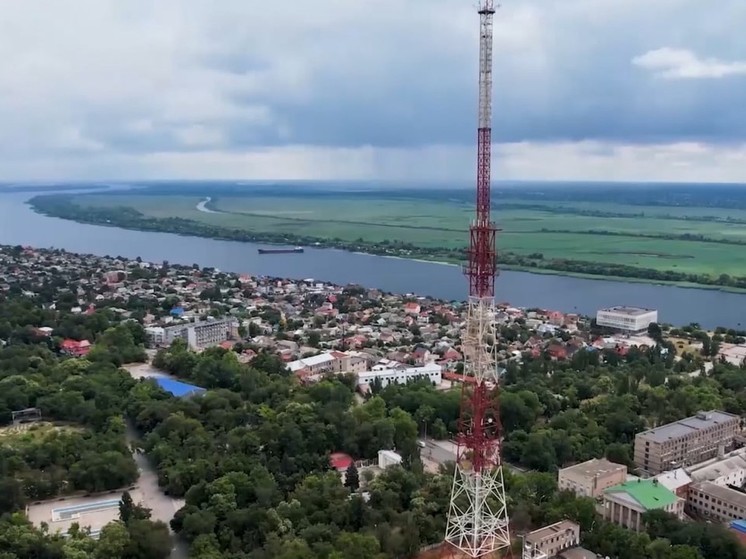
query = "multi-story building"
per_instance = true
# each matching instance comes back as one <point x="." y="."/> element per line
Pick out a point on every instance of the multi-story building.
<point x="315" y="364"/>
<point x="632" y="320"/>
<point x="716" y="502"/>
<point x="685" y="442"/>
<point x="401" y="375"/>
<point x="716" y="489"/>
<point x="552" y="540"/>
<point x="156" y="336"/>
<point x="198" y="335"/>
<point x="210" y="333"/>
<point x="591" y="478"/>
<point x="350" y="362"/>
<point x="625" y="504"/>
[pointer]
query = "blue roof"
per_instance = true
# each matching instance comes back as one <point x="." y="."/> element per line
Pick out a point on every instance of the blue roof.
<point x="739" y="525"/>
<point x="177" y="311"/>
<point x="177" y="388"/>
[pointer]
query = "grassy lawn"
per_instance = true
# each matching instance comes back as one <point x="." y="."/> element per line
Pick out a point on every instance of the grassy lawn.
<point x="444" y="223"/>
<point x="34" y="432"/>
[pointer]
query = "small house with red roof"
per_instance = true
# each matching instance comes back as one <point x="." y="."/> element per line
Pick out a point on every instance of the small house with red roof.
<point x="557" y="352"/>
<point x="452" y="355"/>
<point x="412" y="308"/>
<point x="340" y="461"/>
<point x="75" y="348"/>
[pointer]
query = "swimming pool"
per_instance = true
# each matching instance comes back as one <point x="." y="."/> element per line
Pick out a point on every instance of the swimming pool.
<point x="75" y="511"/>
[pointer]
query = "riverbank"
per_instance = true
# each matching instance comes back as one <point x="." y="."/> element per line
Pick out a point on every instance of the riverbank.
<point x="676" y="305"/>
<point x="128" y="218"/>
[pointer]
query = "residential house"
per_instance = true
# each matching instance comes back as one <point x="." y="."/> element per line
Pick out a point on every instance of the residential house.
<point x="75" y="348"/>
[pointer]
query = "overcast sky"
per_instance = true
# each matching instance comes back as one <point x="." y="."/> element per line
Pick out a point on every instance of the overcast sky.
<point x="370" y="89"/>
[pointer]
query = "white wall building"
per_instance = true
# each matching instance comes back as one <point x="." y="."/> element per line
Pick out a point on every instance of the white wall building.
<point x="156" y="335"/>
<point x="315" y="364"/>
<point x="198" y="335"/>
<point x="626" y="319"/>
<point x="388" y="458"/>
<point x="401" y="375"/>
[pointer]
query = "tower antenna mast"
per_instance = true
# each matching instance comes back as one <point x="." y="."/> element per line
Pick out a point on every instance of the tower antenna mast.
<point x="477" y="517"/>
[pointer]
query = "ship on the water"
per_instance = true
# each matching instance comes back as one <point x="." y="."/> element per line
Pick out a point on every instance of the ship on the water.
<point x="295" y="250"/>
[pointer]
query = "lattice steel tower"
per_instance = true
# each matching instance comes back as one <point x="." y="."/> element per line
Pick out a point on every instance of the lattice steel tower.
<point x="478" y="517"/>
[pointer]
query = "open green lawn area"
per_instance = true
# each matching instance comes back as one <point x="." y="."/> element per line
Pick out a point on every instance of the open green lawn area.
<point x="558" y="232"/>
<point x="34" y="432"/>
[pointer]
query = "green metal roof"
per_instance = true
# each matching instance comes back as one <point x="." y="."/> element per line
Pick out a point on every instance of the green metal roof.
<point x="649" y="494"/>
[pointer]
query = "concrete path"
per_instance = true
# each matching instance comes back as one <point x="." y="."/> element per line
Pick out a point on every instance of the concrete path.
<point x="162" y="506"/>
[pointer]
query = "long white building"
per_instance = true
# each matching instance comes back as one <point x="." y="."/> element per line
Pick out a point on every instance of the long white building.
<point x="401" y="375"/>
<point x="626" y="319"/>
<point x="198" y="335"/>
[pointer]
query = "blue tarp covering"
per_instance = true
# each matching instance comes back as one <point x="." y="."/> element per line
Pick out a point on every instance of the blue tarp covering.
<point x="739" y="525"/>
<point x="178" y="388"/>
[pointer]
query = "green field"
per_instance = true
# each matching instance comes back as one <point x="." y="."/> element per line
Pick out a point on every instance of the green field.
<point x="557" y="232"/>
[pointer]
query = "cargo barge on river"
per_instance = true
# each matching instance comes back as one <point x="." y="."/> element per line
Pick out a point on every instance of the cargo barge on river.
<point x="296" y="250"/>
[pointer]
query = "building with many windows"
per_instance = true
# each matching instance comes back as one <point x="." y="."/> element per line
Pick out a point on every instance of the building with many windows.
<point x="716" y="502"/>
<point x="632" y="320"/>
<point x="716" y="491"/>
<point x="198" y="335"/>
<point x="685" y="442"/>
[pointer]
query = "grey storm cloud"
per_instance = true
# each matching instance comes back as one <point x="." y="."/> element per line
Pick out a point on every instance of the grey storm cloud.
<point x="140" y="77"/>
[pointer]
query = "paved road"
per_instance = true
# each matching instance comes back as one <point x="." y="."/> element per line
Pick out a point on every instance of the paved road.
<point x="162" y="506"/>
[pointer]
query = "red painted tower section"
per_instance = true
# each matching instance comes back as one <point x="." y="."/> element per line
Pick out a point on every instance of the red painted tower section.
<point x="482" y="267"/>
<point x="477" y="518"/>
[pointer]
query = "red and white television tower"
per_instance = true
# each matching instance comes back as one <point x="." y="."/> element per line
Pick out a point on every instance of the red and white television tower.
<point x="478" y="517"/>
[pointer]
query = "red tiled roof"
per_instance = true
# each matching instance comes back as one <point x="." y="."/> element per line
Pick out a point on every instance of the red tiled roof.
<point x="459" y="378"/>
<point x="340" y="460"/>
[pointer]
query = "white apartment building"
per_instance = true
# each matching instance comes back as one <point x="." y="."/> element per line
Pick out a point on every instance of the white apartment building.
<point x="401" y="375"/>
<point x="627" y="319"/>
<point x="198" y="335"/>
<point x="156" y="336"/>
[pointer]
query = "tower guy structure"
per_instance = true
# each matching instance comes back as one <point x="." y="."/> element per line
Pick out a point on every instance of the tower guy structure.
<point x="478" y="518"/>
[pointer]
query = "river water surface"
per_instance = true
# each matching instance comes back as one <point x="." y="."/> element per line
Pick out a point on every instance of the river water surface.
<point x="676" y="305"/>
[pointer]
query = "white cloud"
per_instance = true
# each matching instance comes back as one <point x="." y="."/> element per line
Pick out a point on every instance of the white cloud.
<point x="199" y="136"/>
<point x="684" y="64"/>
<point x="255" y="89"/>
<point x="598" y="161"/>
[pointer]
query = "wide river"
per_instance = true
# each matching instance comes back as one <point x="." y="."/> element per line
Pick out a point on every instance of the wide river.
<point x="676" y="305"/>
